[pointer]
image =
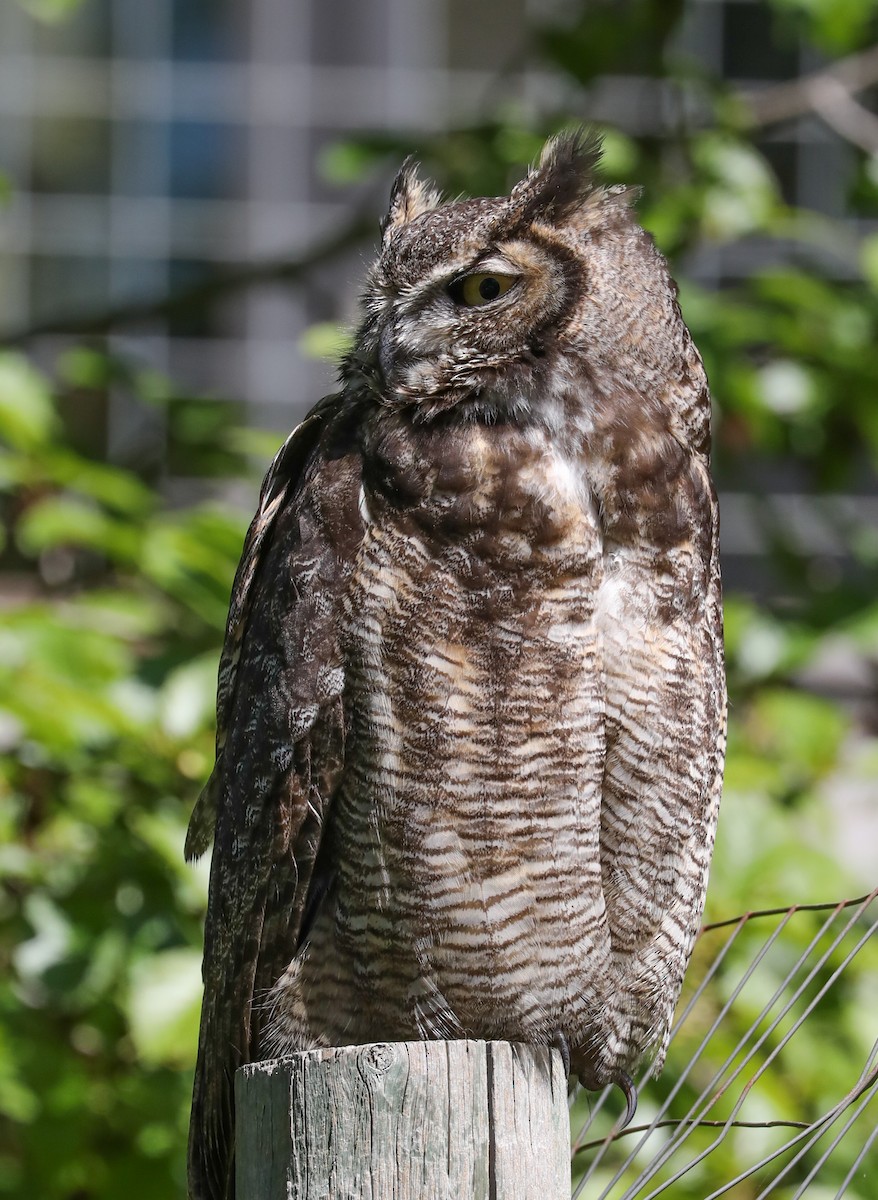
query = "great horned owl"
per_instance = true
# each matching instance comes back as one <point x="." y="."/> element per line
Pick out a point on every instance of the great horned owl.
<point x="471" y="703"/>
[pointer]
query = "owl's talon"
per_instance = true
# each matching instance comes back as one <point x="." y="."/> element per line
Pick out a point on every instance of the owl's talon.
<point x="628" y="1086"/>
<point x="559" y="1041"/>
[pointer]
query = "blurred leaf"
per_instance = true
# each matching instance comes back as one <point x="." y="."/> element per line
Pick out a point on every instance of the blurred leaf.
<point x="597" y="39"/>
<point x="345" y="162"/>
<point x="869" y="258"/>
<point x="66" y="520"/>
<point x="838" y="26"/>
<point x="128" y="616"/>
<point x="256" y="443"/>
<point x="516" y="144"/>
<point x="190" y="558"/>
<point x="188" y="697"/>
<point x="27" y="418"/>
<point x="50" y="939"/>
<point x="741" y="194"/>
<point x="116" y="489"/>
<point x="164" y="1005"/>
<point x="786" y="387"/>
<point x="327" y="340"/>
<point x="51" y="11"/>
<point x="199" y="441"/>
<point x="795" y="728"/>
<point x="620" y="156"/>
<point x="85" y="368"/>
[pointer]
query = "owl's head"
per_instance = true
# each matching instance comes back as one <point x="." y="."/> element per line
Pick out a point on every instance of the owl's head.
<point x="492" y="306"/>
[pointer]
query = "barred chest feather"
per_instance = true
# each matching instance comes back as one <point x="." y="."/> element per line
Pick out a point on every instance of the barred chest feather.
<point x="468" y="822"/>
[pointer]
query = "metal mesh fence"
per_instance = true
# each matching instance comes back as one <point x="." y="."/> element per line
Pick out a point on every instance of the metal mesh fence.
<point x="763" y="1010"/>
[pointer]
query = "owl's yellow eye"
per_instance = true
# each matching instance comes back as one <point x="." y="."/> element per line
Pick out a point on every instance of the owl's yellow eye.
<point x="480" y="288"/>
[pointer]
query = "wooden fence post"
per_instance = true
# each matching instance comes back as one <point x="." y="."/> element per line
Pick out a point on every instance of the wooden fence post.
<point x="461" y="1120"/>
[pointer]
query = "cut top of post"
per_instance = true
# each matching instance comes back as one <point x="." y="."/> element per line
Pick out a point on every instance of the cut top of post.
<point x="462" y="1120"/>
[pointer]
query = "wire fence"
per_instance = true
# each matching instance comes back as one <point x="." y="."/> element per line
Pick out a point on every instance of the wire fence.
<point x="772" y="1073"/>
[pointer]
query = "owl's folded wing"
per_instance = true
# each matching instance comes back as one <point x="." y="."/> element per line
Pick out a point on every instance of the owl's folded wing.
<point x="280" y="750"/>
<point x="666" y="706"/>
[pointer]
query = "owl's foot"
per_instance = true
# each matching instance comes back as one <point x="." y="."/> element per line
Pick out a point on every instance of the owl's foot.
<point x="627" y="1085"/>
<point x="559" y="1041"/>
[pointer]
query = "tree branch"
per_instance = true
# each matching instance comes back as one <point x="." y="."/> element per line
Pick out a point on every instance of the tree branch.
<point x="828" y="93"/>
<point x="751" y="915"/>
<point x="696" y="1122"/>
<point x="834" y="103"/>
<point x="203" y="293"/>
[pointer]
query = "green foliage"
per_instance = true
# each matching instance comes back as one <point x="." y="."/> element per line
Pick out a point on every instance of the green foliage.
<point x="51" y="11"/>
<point x="116" y="605"/>
<point x="107" y="691"/>
<point x="836" y="26"/>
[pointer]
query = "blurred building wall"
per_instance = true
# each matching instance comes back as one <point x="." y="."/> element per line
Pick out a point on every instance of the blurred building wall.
<point x="148" y="143"/>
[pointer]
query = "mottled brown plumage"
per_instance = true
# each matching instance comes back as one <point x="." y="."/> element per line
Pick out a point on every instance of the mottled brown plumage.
<point x="471" y="704"/>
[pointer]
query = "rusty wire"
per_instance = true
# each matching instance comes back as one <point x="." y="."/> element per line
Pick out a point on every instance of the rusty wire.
<point x="694" y="1116"/>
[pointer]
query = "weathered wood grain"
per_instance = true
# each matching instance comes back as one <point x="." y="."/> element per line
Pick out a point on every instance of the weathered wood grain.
<point x="463" y="1120"/>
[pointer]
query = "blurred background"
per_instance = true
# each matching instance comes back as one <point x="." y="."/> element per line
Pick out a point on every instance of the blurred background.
<point x="189" y="194"/>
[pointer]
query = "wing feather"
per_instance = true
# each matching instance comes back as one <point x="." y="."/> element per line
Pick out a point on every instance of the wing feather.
<point x="666" y="706"/>
<point x="280" y="753"/>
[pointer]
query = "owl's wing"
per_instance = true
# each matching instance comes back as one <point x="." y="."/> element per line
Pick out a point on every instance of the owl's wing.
<point x="665" y="707"/>
<point x="280" y="749"/>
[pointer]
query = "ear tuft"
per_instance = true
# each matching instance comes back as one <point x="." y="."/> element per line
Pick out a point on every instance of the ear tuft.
<point x="410" y="196"/>
<point x="564" y="177"/>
